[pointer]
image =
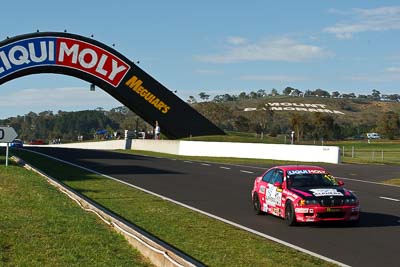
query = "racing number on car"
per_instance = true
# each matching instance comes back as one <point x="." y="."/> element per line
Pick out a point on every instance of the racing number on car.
<point x="273" y="197"/>
<point x="1" y="134"/>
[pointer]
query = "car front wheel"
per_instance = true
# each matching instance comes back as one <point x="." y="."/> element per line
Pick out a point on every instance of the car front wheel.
<point x="290" y="216"/>
<point x="257" y="204"/>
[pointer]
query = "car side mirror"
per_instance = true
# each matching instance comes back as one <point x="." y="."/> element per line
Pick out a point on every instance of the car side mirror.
<point x="340" y="183"/>
<point x="278" y="184"/>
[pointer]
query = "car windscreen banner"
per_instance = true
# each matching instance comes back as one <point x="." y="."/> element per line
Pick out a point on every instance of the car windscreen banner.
<point x="101" y="65"/>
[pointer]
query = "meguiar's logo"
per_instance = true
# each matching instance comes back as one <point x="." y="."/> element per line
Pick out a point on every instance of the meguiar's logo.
<point x="136" y="85"/>
<point x="66" y="52"/>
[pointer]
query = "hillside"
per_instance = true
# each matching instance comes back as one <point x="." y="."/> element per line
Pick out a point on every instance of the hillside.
<point x="313" y="117"/>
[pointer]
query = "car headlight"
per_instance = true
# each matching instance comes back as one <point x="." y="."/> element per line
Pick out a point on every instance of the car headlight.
<point x="311" y="202"/>
<point x="350" y="201"/>
<point x="306" y="202"/>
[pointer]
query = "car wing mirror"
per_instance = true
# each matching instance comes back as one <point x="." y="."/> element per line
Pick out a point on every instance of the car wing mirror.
<point x="340" y="183"/>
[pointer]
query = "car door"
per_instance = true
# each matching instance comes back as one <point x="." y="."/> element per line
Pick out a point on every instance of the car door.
<point x="263" y="188"/>
<point x="274" y="192"/>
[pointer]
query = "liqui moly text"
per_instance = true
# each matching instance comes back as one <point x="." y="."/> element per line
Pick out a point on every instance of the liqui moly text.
<point x="66" y="52"/>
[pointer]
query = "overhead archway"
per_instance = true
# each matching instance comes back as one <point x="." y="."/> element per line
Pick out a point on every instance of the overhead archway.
<point x="103" y="66"/>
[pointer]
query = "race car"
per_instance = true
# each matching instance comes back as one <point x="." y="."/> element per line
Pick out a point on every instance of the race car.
<point x="303" y="193"/>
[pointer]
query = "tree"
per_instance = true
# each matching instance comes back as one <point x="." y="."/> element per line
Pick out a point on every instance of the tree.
<point x="242" y="124"/>
<point x="264" y="118"/>
<point x="298" y="123"/>
<point x="288" y="90"/>
<point x="351" y="95"/>
<point x="335" y="94"/>
<point x="242" y="96"/>
<point x="394" y="97"/>
<point x="220" y="114"/>
<point x="191" y="100"/>
<point x="295" y="92"/>
<point x="274" y="92"/>
<point x="218" y="98"/>
<point x="253" y="95"/>
<point x="323" y="125"/>
<point x="308" y="93"/>
<point x="390" y="124"/>
<point x="203" y="96"/>
<point x="261" y="93"/>
<point x="321" y="93"/>
<point x="376" y="95"/>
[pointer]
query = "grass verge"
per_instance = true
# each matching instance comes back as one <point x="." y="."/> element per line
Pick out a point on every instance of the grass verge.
<point x="41" y="227"/>
<point x="239" y="161"/>
<point x="259" y="162"/>
<point x="395" y="181"/>
<point x="210" y="241"/>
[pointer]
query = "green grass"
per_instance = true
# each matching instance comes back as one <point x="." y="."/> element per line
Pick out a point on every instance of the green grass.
<point x="395" y="181"/>
<point x="238" y="161"/>
<point x="376" y="152"/>
<point x="40" y="226"/>
<point x="241" y="138"/>
<point x="207" y="240"/>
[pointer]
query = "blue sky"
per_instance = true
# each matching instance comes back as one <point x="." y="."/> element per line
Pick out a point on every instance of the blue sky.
<point x="215" y="47"/>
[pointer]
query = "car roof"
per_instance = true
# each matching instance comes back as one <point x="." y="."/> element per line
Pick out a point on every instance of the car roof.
<point x="299" y="167"/>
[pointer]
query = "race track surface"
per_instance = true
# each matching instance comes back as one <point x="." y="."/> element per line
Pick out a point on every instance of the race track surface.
<point x="206" y="186"/>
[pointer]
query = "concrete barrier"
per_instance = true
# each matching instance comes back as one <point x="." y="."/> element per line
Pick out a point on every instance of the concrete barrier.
<point x="328" y="154"/>
<point x="103" y="145"/>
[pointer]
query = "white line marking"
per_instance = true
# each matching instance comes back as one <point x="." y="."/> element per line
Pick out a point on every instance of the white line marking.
<point x="246" y="171"/>
<point x="350" y="179"/>
<point x="226" y="168"/>
<point x="392" y="199"/>
<point x="205" y="164"/>
<point x="187" y="161"/>
<point x="203" y="212"/>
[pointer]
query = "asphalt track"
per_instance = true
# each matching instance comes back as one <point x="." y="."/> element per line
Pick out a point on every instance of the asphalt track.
<point x="224" y="190"/>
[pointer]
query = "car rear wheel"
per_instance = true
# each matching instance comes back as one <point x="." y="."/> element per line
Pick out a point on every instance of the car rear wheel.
<point x="257" y="204"/>
<point x="290" y="216"/>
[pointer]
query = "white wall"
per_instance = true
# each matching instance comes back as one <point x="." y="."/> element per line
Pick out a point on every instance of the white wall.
<point x="104" y="145"/>
<point x="261" y="151"/>
<point x="329" y="154"/>
<point x="162" y="146"/>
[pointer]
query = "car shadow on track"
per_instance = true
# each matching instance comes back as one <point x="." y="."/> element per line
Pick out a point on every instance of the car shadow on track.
<point x="371" y="219"/>
<point x="367" y="219"/>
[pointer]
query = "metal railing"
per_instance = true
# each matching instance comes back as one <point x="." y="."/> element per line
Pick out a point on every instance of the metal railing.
<point x="370" y="155"/>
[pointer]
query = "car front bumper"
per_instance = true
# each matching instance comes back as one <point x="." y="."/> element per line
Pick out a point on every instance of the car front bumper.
<point x="320" y="214"/>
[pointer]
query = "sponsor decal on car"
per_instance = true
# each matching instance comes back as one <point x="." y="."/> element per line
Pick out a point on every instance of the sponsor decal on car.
<point x="301" y="210"/>
<point x="262" y="189"/>
<point x="326" y="192"/>
<point x="333" y="209"/>
<point x="65" y="52"/>
<point x="292" y="172"/>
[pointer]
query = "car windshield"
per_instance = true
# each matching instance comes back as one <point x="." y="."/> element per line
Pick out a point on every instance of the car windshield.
<point x="311" y="180"/>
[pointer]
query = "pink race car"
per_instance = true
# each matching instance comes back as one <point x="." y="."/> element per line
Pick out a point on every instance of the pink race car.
<point x="301" y="193"/>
